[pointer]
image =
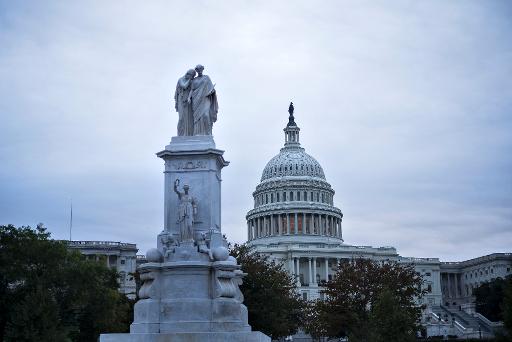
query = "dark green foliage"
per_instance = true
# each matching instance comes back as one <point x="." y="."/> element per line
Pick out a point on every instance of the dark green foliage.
<point x="490" y="296"/>
<point x="357" y="297"/>
<point x="274" y="306"/>
<point x="48" y="293"/>
<point x="507" y="309"/>
<point x="389" y="322"/>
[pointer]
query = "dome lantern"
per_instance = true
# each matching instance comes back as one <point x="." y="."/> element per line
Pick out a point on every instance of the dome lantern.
<point x="291" y="131"/>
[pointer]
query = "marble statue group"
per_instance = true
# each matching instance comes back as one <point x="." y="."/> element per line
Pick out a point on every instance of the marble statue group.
<point x="196" y="103"/>
<point x="189" y="289"/>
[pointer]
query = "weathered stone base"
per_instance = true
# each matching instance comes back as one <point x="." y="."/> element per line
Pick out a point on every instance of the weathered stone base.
<point x="249" y="336"/>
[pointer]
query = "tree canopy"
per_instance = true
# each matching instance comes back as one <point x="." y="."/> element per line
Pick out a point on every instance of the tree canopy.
<point x="367" y="299"/>
<point x="490" y="298"/>
<point x="48" y="293"/>
<point x="270" y="294"/>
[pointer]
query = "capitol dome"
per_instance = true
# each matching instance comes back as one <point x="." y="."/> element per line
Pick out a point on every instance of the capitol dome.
<point x="293" y="199"/>
<point x="292" y="162"/>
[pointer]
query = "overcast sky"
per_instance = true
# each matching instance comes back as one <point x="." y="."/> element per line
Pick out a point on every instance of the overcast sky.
<point x="405" y="104"/>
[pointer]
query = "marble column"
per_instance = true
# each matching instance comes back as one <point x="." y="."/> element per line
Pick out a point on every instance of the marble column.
<point x="272" y="224"/>
<point x="310" y="270"/>
<point x="449" y="285"/>
<point x="456" y="286"/>
<point x="326" y="269"/>
<point x="314" y="270"/>
<point x="298" y="270"/>
<point x="295" y="225"/>
<point x="280" y="224"/>
<point x="304" y="223"/>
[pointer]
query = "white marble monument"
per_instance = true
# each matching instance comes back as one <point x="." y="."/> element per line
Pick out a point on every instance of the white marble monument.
<point x="190" y="285"/>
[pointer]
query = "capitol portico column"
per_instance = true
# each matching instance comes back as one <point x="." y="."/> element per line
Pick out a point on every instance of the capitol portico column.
<point x="298" y="270"/>
<point x="314" y="270"/>
<point x="265" y="229"/>
<point x="456" y="286"/>
<point x="326" y="269"/>
<point x="309" y="271"/>
<point x="280" y="224"/>
<point x="449" y="285"/>
<point x="271" y="224"/>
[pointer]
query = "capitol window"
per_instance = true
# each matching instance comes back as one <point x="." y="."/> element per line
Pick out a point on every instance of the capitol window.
<point x="291" y="195"/>
<point x="284" y="196"/>
<point x="266" y="198"/>
<point x="272" y="198"/>
<point x="305" y="195"/>
<point x="277" y="197"/>
<point x="298" y="195"/>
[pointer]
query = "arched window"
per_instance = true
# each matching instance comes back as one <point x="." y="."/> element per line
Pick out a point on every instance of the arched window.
<point x="284" y="196"/>
<point x="266" y="198"/>
<point x="277" y="194"/>
<point x="298" y="195"/>
<point x="305" y="195"/>
<point x="291" y="195"/>
<point x="271" y="198"/>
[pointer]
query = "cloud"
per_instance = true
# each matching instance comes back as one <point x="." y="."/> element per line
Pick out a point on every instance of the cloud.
<point x="405" y="105"/>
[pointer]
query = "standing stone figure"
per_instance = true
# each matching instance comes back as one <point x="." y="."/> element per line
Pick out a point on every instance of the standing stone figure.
<point x="204" y="103"/>
<point x="187" y="209"/>
<point x="183" y="105"/>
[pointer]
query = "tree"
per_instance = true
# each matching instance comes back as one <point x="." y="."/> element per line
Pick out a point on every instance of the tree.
<point x="270" y="294"/>
<point x="356" y="297"/>
<point x="507" y="309"/>
<point x="48" y="293"/>
<point x="490" y="297"/>
<point x="388" y="321"/>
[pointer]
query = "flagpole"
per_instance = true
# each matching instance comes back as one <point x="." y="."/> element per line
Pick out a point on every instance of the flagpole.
<point x="71" y="220"/>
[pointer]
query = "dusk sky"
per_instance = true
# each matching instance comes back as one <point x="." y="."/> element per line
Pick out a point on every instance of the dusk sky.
<point x="407" y="105"/>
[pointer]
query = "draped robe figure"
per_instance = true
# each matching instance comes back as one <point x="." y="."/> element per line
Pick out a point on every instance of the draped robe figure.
<point x="183" y="106"/>
<point x="204" y="103"/>
<point x="187" y="209"/>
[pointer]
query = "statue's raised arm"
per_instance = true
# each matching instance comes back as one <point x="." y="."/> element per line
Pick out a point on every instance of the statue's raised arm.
<point x="176" y="184"/>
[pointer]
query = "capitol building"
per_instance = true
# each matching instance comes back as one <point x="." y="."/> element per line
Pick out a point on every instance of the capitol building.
<point x="295" y="222"/>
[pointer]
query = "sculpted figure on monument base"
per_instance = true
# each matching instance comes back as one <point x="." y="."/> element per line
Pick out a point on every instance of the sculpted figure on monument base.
<point x="183" y="105"/>
<point x="196" y="103"/>
<point x="187" y="209"/>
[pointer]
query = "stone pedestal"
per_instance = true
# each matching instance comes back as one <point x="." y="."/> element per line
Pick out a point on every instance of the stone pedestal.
<point x="190" y="287"/>
<point x="196" y="162"/>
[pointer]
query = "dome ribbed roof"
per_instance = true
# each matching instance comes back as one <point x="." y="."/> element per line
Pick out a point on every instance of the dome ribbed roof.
<point x="292" y="162"/>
